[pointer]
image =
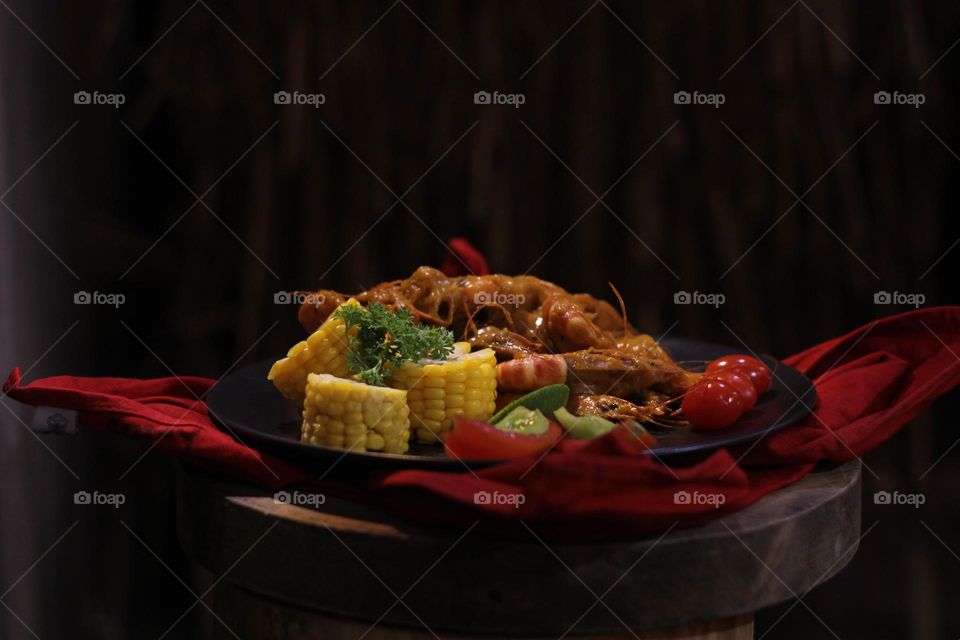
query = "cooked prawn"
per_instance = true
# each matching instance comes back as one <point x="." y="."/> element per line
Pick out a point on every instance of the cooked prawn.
<point x="619" y="373"/>
<point x="531" y="372"/>
<point x="653" y="408"/>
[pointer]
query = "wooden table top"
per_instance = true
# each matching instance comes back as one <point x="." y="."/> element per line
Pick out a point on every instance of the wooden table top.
<point x="355" y="561"/>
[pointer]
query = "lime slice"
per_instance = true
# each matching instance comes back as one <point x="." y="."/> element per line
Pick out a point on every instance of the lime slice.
<point x="529" y="422"/>
<point x="583" y="427"/>
<point x="545" y="399"/>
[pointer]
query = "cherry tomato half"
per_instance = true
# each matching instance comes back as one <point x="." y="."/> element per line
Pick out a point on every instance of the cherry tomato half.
<point x="740" y="380"/>
<point x="476" y="440"/>
<point x="712" y="404"/>
<point x="758" y="372"/>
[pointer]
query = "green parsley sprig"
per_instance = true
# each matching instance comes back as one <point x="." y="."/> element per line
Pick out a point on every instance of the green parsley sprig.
<point x="387" y="339"/>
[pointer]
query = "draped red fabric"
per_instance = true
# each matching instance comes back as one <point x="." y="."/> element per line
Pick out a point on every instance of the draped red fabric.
<point x="871" y="382"/>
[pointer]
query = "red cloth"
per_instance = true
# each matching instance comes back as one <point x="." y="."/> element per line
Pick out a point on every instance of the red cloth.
<point x="871" y="382"/>
<point x="464" y="259"/>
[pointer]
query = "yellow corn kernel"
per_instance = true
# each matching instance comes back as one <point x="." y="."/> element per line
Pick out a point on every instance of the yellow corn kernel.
<point x="324" y="351"/>
<point x="437" y="390"/>
<point x="382" y="422"/>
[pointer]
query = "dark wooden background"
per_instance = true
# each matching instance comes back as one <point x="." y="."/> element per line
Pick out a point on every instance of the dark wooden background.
<point x="296" y="197"/>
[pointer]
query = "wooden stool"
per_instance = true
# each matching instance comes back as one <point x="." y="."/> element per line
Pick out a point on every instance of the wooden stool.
<point x="347" y="571"/>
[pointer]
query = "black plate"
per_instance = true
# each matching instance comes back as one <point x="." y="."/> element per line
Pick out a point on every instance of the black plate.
<point x="254" y="412"/>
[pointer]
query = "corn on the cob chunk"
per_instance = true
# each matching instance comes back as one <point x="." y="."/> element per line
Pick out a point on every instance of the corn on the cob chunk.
<point x="324" y="351"/>
<point x="352" y="415"/>
<point x="438" y="390"/>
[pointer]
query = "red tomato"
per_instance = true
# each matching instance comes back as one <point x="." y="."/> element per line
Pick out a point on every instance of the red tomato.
<point x="758" y="372"/>
<point x="712" y="404"/>
<point x="740" y="381"/>
<point x="760" y="377"/>
<point x="476" y="440"/>
<point x="733" y="360"/>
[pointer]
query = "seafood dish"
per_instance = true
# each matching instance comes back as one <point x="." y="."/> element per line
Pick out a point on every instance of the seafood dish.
<point x="493" y="366"/>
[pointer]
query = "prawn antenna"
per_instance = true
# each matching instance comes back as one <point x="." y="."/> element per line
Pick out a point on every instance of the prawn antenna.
<point x="623" y="307"/>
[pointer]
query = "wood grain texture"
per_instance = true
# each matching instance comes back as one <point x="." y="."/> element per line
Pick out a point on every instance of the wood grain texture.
<point x="250" y="616"/>
<point x="349" y="560"/>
